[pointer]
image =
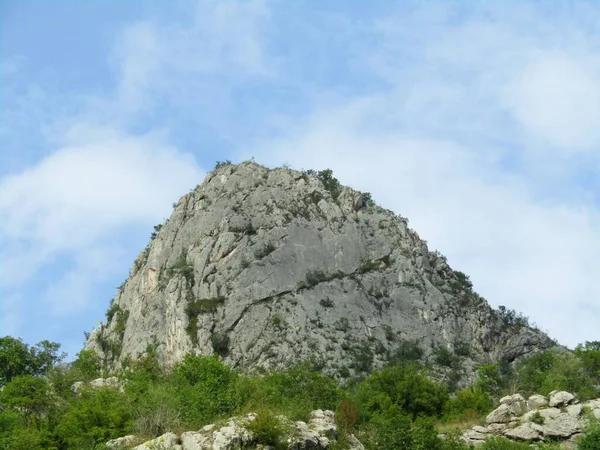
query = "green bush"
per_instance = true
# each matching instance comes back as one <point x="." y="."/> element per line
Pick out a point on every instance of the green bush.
<point x="590" y="439"/>
<point x="295" y="391"/>
<point x="468" y="403"/>
<point x="405" y="387"/>
<point x="205" y="389"/>
<point x="268" y="430"/>
<point x="96" y="416"/>
<point x="556" y="370"/>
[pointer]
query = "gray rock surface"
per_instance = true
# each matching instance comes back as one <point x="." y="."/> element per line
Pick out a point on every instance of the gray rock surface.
<point x="110" y="382"/>
<point x="562" y="424"/>
<point x="319" y="434"/>
<point x="168" y="441"/>
<point x="272" y="267"/>
<point x="560" y="398"/>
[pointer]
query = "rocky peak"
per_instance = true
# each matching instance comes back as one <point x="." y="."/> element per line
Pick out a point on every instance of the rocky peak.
<point x="271" y="267"/>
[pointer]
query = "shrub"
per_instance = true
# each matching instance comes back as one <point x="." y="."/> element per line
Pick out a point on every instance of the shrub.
<point x="182" y="267"/>
<point x="590" y="439"/>
<point x="468" y="403"/>
<point x="330" y="183"/>
<point x="204" y="388"/>
<point x="220" y="164"/>
<point x="156" y="412"/>
<point x="512" y="318"/>
<point x="326" y="302"/>
<point x="368" y="266"/>
<point x="314" y="277"/>
<point x="347" y="414"/>
<point x="268" y="430"/>
<point x="536" y="417"/>
<point x="405" y="387"/>
<point x="461" y="282"/>
<point x="445" y="357"/>
<point x="266" y="250"/>
<point x="97" y="416"/>
<point x="220" y="343"/>
<point x="408" y="351"/>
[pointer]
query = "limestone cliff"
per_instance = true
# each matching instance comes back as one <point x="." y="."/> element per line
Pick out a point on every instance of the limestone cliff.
<point x="273" y="267"/>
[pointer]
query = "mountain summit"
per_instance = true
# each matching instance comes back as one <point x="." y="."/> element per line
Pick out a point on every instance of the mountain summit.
<point x="272" y="267"/>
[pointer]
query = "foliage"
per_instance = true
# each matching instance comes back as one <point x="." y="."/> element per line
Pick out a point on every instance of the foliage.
<point x="314" y="277"/>
<point x="512" y="318"/>
<point x="96" y="416"/>
<point x="408" y="352"/>
<point x="18" y="358"/>
<point x="461" y="282"/>
<point x="589" y="355"/>
<point x="220" y="343"/>
<point x="536" y="417"/>
<point x="264" y="251"/>
<point x="395" y="407"/>
<point x="220" y="164"/>
<point x="406" y="387"/>
<point x="268" y="430"/>
<point x="558" y="370"/>
<point x="330" y="183"/>
<point x="468" y="403"/>
<point x="326" y="302"/>
<point x="182" y="267"/>
<point x="590" y="439"/>
<point x="368" y="266"/>
<point x="445" y="357"/>
<point x="295" y="391"/>
<point x="204" y="389"/>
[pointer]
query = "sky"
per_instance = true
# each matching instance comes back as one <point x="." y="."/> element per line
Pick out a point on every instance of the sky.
<point x="477" y="120"/>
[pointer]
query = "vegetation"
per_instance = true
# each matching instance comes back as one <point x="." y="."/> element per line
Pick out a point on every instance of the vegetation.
<point x="399" y="406"/>
<point x="264" y="251"/>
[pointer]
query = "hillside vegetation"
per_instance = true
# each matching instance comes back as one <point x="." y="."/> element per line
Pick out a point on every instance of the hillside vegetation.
<point x="399" y="406"/>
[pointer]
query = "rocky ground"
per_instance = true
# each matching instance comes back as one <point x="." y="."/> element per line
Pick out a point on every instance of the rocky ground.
<point x="556" y="417"/>
<point x="320" y="432"/>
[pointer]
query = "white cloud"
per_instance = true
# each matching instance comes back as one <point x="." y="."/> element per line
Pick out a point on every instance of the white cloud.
<point x="556" y="97"/>
<point x="154" y="62"/>
<point x="72" y="200"/>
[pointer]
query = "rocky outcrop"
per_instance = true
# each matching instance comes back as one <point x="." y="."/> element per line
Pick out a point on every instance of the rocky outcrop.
<point x="111" y="382"/>
<point x="557" y="417"/>
<point x="319" y="433"/>
<point x="272" y="267"/>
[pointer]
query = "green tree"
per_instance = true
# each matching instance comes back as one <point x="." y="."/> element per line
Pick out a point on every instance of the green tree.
<point x="17" y="358"/>
<point x="28" y="395"/>
<point x="96" y="416"/>
<point x="406" y="387"/>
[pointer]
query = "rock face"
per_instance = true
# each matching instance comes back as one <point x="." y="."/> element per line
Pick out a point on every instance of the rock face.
<point x="272" y="267"/>
<point x="319" y="434"/>
<point x="558" y="417"/>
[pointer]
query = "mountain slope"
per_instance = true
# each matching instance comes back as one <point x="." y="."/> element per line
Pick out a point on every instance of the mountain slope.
<point x="273" y="267"/>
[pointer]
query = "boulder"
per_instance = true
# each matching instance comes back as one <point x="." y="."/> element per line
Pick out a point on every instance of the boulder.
<point x="561" y="398"/>
<point x="502" y="414"/>
<point x="516" y="404"/>
<point x="562" y="426"/>
<point x="168" y="441"/>
<point x="122" y="442"/>
<point x="525" y="432"/>
<point x="536" y="401"/>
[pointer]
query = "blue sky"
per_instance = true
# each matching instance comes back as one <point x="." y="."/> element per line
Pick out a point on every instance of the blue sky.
<point x="476" y="120"/>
